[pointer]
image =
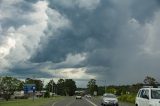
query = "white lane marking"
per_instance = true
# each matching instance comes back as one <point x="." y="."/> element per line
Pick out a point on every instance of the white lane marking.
<point x="70" y="103"/>
<point x="91" y="102"/>
<point x="57" y="102"/>
<point x="54" y="103"/>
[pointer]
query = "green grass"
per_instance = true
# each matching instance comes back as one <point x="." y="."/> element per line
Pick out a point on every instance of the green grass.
<point x="127" y="98"/>
<point x="30" y="102"/>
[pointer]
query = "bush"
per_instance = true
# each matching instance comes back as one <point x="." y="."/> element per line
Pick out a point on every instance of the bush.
<point x="21" y="97"/>
<point x="127" y="98"/>
<point x="47" y="95"/>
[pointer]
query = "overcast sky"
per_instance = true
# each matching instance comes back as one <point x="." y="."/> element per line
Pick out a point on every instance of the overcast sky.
<point x="113" y="40"/>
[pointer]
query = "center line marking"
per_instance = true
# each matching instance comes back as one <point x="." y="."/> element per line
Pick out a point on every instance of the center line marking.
<point x="91" y="102"/>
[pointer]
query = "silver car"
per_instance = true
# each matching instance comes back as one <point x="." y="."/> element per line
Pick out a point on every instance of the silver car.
<point x="88" y="96"/>
<point x="109" y="99"/>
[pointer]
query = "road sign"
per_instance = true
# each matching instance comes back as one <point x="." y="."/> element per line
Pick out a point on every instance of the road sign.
<point x="29" y="88"/>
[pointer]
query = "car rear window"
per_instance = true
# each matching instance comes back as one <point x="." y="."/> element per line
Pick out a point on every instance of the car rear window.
<point x="155" y="94"/>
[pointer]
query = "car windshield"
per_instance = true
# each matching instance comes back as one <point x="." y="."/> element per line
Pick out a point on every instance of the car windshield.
<point x="109" y="96"/>
<point x="155" y="94"/>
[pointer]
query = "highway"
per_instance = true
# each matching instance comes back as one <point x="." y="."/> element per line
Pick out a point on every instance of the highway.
<point x="71" y="101"/>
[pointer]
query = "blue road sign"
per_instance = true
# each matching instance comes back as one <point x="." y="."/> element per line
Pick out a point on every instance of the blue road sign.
<point x="29" y="88"/>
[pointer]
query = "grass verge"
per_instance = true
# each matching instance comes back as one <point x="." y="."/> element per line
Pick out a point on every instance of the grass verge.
<point x="30" y="102"/>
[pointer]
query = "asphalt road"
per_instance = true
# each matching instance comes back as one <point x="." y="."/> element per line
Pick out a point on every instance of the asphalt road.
<point x="71" y="101"/>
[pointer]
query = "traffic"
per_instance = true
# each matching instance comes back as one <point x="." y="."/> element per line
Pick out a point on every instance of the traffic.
<point x="146" y="96"/>
<point x="65" y="92"/>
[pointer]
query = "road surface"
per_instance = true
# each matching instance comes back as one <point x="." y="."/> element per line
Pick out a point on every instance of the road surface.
<point x="71" y="101"/>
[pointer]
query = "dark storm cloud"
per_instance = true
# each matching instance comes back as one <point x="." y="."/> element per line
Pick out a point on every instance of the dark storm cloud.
<point x="111" y="33"/>
<point x="91" y="29"/>
<point x="21" y="25"/>
<point x="16" y="22"/>
<point x="143" y="11"/>
<point x="104" y="34"/>
<point x="33" y="1"/>
<point x="19" y="14"/>
<point x="87" y="27"/>
<point x="25" y="70"/>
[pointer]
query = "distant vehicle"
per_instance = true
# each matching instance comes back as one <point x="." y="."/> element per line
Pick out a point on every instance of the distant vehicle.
<point x="78" y="95"/>
<point x="88" y="96"/>
<point x="148" y="97"/>
<point x="109" y="99"/>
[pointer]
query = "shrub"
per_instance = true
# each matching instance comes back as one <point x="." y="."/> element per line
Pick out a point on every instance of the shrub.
<point x="47" y="95"/>
<point x="127" y="98"/>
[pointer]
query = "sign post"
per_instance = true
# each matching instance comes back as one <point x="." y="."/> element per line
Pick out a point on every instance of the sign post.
<point x="30" y="88"/>
<point x="33" y="88"/>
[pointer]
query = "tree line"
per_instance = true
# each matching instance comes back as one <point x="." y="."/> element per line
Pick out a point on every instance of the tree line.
<point x="67" y="87"/>
<point x="132" y="89"/>
<point x="64" y="87"/>
<point x="8" y="85"/>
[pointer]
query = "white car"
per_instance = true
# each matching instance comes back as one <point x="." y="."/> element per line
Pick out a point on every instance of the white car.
<point x="78" y="97"/>
<point x="148" y="97"/>
<point x="109" y="99"/>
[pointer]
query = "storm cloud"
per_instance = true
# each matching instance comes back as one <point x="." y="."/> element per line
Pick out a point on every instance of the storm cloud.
<point x="113" y="40"/>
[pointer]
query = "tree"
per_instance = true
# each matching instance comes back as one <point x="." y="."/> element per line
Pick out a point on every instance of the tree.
<point x="47" y="94"/>
<point x="101" y="90"/>
<point x="1" y="86"/>
<point x="38" y="83"/>
<point x="51" y="86"/>
<point x="150" y="81"/>
<point x="135" y="87"/>
<point x="92" y="86"/>
<point x="60" y="87"/>
<point x="111" y="90"/>
<point x="70" y="87"/>
<point x="8" y="85"/>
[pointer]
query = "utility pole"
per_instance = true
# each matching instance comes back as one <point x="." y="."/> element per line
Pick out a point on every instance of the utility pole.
<point x="105" y="86"/>
<point x="52" y="85"/>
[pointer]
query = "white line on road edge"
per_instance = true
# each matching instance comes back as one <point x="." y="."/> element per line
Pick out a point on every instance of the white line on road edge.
<point x="91" y="102"/>
<point x="54" y="103"/>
